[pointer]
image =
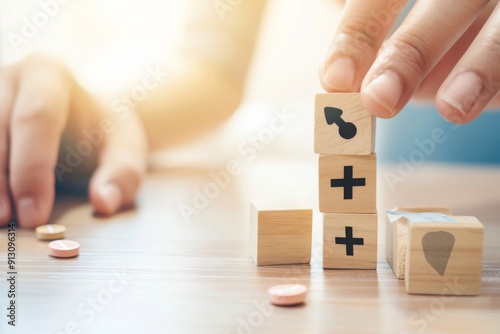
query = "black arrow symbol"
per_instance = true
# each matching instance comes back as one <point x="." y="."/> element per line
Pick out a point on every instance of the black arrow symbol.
<point x="347" y="130"/>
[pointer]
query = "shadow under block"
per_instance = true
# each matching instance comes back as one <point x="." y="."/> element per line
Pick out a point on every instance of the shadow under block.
<point x="444" y="258"/>
<point x="396" y="232"/>
<point x="349" y="241"/>
<point x="342" y="125"/>
<point x="280" y="233"/>
<point x="347" y="183"/>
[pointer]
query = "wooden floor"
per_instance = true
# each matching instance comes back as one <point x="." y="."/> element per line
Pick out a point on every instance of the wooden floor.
<point x="153" y="270"/>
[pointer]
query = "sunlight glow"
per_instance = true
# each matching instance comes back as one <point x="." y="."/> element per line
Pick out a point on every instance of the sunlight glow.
<point x="107" y="43"/>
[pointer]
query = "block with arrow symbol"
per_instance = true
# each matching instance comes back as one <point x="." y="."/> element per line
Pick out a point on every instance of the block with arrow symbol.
<point x="342" y="125"/>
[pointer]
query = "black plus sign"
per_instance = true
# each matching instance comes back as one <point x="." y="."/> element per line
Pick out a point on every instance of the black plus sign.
<point x="348" y="182"/>
<point x="349" y="241"/>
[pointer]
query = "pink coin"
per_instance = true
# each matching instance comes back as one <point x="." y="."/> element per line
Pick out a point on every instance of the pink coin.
<point x="288" y="294"/>
<point x="64" y="248"/>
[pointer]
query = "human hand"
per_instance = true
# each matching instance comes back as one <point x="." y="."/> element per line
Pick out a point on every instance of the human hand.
<point x="448" y="51"/>
<point x="39" y="102"/>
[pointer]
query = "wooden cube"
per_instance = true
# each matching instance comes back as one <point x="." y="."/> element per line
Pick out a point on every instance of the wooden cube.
<point x="347" y="183"/>
<point x="396" y="233"/>
<point x="280" y="233"/>
<point x="342" y="125"/>
<point x="349" y="241"/>
<point x="444" y="258"/>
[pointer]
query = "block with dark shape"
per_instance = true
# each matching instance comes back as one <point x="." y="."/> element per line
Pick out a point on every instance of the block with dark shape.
<point x="396" y="233"/>
<point x="437" y="247"/>
<point x="349" y="241"/>
<point x="342" y="125"/>
<point x="280" y="232"/>
<point x="444" y="257"/>
<point x="347" y="183"/>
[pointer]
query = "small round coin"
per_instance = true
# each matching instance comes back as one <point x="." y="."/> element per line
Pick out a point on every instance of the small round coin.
<point x="50" y="232"/>
<point x="288" y="294"/>
<point x="64" y="248"/>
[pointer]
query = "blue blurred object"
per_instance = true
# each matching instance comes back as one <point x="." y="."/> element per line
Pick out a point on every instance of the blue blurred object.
<point x="419" y="132"/>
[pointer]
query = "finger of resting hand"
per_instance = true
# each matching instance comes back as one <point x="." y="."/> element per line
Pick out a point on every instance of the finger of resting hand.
<point x="37" y="122"/>
<point x="121" y="168"/>
<point x="475" y="81"/>
<point x="428" y="32"/>
<point x="7" y="91"/>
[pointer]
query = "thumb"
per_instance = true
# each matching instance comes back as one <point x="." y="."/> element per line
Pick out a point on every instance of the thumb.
<point x="121" y="169"/>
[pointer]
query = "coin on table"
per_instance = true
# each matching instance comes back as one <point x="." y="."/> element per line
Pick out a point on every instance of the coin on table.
<point x="50" y="232"/>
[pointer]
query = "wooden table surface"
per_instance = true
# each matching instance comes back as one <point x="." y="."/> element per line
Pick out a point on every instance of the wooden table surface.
<point x="151" y="270"/>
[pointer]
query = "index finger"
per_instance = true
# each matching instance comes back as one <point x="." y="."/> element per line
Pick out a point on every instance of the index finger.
<point x="359" y="36"/>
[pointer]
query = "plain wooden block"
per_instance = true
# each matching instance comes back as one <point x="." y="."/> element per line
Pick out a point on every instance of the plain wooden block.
<point x="280" y="232"/>
<point x="347" y="183"/>
<point x="351" y="129"/>
<point x="444" y="258"/>
<point x="349" y="241"/>
<point x="396" y="230"/>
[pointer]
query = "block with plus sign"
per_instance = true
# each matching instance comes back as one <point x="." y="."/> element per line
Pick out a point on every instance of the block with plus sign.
<point x="347" y="183"/>
<point x="342" y="125"/>
<point x="349" y="241"/>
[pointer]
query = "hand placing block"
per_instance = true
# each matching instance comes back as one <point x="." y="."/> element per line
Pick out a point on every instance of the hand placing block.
<point x="347" y="183"/>
<point x="445" y="256"/>
<point x="396" y="234"/>
<point x="349" y="241"/>
<point x="280" y="233"/>
<point x="342" y="125"/>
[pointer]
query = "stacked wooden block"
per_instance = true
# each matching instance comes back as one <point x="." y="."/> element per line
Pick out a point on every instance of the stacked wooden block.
<point x="344" y="139"/>
<point x="435" y="252"/>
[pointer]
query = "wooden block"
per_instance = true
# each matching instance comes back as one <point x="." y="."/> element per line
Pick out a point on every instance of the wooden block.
<point x="347" y="183"/>
<point x="342" y="125"/>
<point x="444" y="258"/>
<point x="349" y="241"/>
<point x="280" y="233"/>
<point x="396" y="230"/>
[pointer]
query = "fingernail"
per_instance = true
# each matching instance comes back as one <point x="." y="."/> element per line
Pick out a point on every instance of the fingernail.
<point x="386" y="90"/>
<point x="463" y="92"/>
<point x="111" y="196"/>
<point x="27" y="211"/>
<point x="339" y="75"/>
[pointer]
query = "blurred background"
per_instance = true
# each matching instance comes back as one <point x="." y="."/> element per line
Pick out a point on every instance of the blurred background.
<point x="108" y="44"/>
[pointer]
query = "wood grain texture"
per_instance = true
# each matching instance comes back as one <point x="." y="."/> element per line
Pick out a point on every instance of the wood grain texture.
<point x="362" y="226"/>
<point x="280" y="232"/>
<point x="193" y="274"/>
<point x="396" y="230"/>
<point x="326" y="137"/>
<point x="331" y="199"/>
<point x="426" y="273"/>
